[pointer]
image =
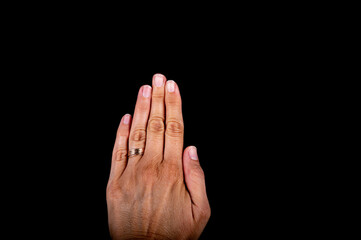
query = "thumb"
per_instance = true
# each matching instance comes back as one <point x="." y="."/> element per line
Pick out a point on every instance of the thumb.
<point x="195" y="181"/>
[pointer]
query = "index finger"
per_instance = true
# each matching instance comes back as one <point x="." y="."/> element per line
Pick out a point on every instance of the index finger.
<point x="174" y="133"/>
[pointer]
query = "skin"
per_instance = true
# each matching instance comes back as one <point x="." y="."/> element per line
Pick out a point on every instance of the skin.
<point x="161" y="194"/>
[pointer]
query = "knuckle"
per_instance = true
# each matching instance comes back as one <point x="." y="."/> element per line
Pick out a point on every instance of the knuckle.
<point x="157" y="97"/>
<point x="172" y="171"/>
<point x="174" y="101"/>
<point x="156" y="125"/>
<point x="120" y="154"/>
<point x="175" y="128"/>
<point x="116" y="191"/>
<point x="149" y="172"/>
<point x="205" y="212"/>
<point x="197" y="173"/>
<point x="138" y="135"/>
<point x="113" y="191"/>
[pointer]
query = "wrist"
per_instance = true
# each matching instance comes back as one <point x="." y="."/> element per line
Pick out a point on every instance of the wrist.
<point x="148" y="236"/>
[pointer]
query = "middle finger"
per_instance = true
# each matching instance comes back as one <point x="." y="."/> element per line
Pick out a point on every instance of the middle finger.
<point x="155" y="131"/>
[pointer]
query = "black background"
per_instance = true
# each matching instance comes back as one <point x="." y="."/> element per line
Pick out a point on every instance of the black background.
<point x="236" y="120"/>
<point x="237" y="113"/>
<point x="74" y="82"/>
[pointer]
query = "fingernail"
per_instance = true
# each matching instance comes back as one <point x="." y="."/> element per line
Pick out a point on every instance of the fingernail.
<point x="158" y="81"/>
<point x="170" y="86"/>
<point x="147" y="91"/>
<point x="193" y="153"/>
<point x="126" y="119"/>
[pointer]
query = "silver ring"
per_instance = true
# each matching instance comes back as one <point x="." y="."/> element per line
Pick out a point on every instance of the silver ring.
<point x="135" y="152"/>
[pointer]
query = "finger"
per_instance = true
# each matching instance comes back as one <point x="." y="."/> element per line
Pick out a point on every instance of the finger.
<point x="120" y="150"/>
<point x="195" y="181"/>
<point x="174" y="124"/>
<point x="138" y="130"/>
<point x="155" y="130"/>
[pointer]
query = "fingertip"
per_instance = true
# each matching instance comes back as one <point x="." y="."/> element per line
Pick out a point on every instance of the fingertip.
<point x="171" y="86"/>
<point x="159" y="80"/>
<point x="146" y="91"/>
<point x="159" y="75"/>
<point x="126" y="119"/>
<point x="172" y="91"/>
<point x="190" y="155"/>
<point x="124" y="126"/>
<point x="193" y="153"/>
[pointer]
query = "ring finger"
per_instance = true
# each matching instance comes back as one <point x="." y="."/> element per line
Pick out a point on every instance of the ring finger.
<point x="139" y="125"/>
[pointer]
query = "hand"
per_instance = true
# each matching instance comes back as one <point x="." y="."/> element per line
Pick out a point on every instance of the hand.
<point x="161" y="194"/>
